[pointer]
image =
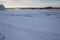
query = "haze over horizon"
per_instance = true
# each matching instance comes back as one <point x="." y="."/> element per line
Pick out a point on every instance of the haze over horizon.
<point x="30" y="3"/>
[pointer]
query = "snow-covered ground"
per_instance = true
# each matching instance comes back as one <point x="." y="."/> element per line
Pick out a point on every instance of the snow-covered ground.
<point x="30" y="24"/>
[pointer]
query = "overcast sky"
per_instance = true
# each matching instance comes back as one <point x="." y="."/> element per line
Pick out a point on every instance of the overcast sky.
<point x="31" y="3"/>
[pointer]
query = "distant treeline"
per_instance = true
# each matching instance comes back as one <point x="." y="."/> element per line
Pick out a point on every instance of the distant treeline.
<point x="37" y="8"/>
<point x="51" y="7"/>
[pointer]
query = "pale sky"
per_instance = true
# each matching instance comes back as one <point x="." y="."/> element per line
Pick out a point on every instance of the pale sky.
<point x="30" y="3"/>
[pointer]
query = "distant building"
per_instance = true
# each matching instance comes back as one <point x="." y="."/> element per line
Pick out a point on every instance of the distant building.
<point x="2" y="7"/>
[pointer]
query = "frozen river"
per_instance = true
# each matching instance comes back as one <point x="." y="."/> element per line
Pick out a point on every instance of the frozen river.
<point x="30" y="24"/>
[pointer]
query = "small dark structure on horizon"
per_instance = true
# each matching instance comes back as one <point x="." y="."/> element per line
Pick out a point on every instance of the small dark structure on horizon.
<point x="49" y="7"/>
<point x="2" y="7"/>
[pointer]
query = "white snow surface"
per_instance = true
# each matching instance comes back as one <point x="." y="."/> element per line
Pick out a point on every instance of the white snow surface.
<point x="30" y="24"/>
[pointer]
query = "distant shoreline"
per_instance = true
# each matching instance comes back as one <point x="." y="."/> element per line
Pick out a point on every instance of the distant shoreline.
<point x="35" y="8"/>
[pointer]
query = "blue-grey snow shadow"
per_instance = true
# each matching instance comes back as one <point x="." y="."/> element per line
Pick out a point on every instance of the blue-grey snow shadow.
<point x="34" y="34"/>
<point x="2" y="36"/>
<point x="40" y="35"/>
<point x="3" y="30"/>
<point x="4" y="25"/>
<point x="27" y="15"/>
<point x="40" y="14"/>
